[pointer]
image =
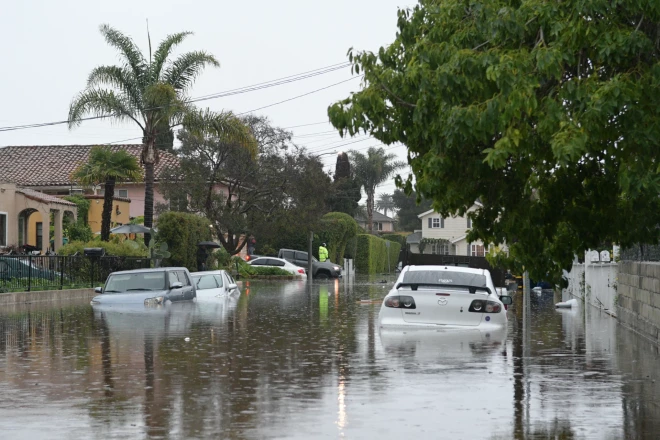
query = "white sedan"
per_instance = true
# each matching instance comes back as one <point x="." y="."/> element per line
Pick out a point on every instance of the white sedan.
<point x="280" y="263"/>
<point x="444" y="297"/>
<point x="213" y="283"/>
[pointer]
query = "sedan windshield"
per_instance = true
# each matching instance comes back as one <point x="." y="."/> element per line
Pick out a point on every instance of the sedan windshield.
<point x="135" y="282"/>
<point x="435" y="277"/>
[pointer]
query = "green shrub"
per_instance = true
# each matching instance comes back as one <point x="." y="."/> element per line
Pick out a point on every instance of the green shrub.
<point x="372" y="254"/>
<point x="221" y="258"/>
<point x="126" y="248"/>
<point x="247" y="271"/>
<point x="337" y="229"/>
<point x="182" y="232"/>
<point x="399" y="238"/>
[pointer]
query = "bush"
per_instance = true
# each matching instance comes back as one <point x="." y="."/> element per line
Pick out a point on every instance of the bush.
<point x="399" y="238"/>
<point x="182" y="232"/>
<point x="126" y="248"/>
<point x="221" y="258"/>
<point x="337" y="229"/>
<point x="372" y="254"/>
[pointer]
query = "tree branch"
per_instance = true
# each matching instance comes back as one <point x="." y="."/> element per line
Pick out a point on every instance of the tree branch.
<point x="399" y="100"/>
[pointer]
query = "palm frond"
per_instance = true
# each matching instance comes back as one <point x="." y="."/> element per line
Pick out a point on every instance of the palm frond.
<point x="164" y="50"/>
<point x="223" y="125"/>
<point x="99" y="102"/>
<point x="103" y="163"/>
<point x="120" y="78"/>
<point x="183" y="71"/>
<point x="128" y="49"/>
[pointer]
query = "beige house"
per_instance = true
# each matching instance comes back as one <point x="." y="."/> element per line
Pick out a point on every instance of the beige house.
<point x="18" y="205"/>
<point x="450" y="234"/>
<point x="381" y="222"/>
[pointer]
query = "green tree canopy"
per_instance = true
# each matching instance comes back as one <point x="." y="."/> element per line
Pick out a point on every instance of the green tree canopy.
<point x="408" y="209"/>
<point x="546" y="112"/>
<point x="108" y="167"/>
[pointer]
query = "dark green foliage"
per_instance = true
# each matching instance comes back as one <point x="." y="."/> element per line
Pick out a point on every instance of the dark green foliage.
<point x="78" y="230"/>
<point x="337" y="228"/>
<point x="398" y="238"/>
<point x="408" y="210"/>
<point x="126" y="248"/>
<point x="372" y="253"/>
<point x="345" y="189"/>
<point x="182" y="232"/>
<point x="544" y="111"/>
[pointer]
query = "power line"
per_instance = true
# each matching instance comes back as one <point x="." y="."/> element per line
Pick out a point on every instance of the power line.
<point x="245" y="89"/>
<point x="299" y="96"/>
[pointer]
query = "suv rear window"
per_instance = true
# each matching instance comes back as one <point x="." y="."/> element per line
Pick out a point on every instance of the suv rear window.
<point x="432" y="277"/>
<point x="287" y="254"/>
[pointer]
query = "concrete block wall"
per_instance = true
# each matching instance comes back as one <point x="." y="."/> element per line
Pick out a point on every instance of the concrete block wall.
<point x="638" y="297"/>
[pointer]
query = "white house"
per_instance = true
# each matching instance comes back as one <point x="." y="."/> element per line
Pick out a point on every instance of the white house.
<point x="452" y="229"/>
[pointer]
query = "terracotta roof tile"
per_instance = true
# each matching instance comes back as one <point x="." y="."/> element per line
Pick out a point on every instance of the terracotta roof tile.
<point x="51" y="165"/>
<point x="41" y="197"/>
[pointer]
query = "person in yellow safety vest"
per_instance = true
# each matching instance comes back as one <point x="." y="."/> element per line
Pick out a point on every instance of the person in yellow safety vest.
<point x="323" y="253"/>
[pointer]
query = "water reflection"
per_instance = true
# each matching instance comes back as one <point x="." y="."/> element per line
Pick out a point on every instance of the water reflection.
<point x="289" y="360"/>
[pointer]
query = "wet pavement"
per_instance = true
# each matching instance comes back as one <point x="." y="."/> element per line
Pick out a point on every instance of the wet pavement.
<point x="285" y="361"/>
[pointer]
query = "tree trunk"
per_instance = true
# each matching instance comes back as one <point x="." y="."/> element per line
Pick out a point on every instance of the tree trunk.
<point x="149" y="160"/>
<point x="106" y="216"/>
<point x="370" y="213"/>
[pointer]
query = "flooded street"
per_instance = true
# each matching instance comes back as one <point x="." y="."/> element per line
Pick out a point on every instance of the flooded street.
<point x="283" y="361"/>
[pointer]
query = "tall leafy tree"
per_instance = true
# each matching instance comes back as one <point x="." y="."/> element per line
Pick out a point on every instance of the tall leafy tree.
<point x="345" y="189"/>
<point x="385" y="203"/>
<point x="108" y="167"/>
<point x="408" y="208"/>
<point x="546" y="112"/>
<point x="150" y="91"/>
<point x="371" y="170"/>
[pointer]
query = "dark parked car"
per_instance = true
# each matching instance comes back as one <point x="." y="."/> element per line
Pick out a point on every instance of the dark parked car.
<point x="20" y="267"/>
<point x="327" y="269"/>
<point x="148" y="286"/>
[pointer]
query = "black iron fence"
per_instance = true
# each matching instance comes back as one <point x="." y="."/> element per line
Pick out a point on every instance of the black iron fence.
<point x="641" y="252"/>
<point x="53" y="272"/>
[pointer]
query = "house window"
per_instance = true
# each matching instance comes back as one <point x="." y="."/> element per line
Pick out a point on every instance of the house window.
<point x="40" y="235"/>
<point x="440" y="249"/>
<point x="3" y="229"/>
<point x="436" y="222"/>
<point x="469" y="223"/>
<point x="477" y="250"/>
<point x="123" y="193"/>
<point x="378" y="226"/>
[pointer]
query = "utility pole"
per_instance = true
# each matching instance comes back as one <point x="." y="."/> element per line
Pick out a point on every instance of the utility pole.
<point x="309" y="257"/>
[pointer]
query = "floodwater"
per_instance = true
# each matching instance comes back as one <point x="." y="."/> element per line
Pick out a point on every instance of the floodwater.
<point x="285" y="361"/>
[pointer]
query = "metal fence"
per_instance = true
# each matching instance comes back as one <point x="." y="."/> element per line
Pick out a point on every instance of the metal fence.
<point x="641" y="252"/>
<point x="53" y="272"/>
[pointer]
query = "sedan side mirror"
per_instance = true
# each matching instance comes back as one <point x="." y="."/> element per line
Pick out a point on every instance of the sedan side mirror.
<point x="232" y="286"/>
<point x="98" y="290"/>
<point x="506" y="300"/>
<point x="177" y="285"/>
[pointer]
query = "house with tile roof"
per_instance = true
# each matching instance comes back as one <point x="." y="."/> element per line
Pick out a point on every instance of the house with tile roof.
<point x="48" y="169"/>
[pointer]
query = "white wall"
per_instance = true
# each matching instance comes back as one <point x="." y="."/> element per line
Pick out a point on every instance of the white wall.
<point x="595" y="284"/>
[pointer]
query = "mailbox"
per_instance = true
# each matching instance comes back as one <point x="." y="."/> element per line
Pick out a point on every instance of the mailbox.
<point x="94" y="252"/>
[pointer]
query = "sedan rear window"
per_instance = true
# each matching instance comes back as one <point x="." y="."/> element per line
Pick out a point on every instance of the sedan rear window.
<point x="435" y="277"/>
<point x="140" y="281"/>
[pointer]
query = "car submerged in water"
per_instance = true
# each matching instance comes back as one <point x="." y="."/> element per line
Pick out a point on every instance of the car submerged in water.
<point x="444" y="297"/>
<point x="150" y="287"/>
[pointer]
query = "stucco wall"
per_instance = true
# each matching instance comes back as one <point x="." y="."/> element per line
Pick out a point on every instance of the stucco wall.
<point x="95" y="214"/>
<point x="595" y="284"/>
<point x="638" y="301"/>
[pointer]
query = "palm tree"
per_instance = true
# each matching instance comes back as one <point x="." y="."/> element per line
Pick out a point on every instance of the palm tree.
<point x="385" y="203"/>
<point x="372" y="170"/>
<point x="108" y="167"/>
<point x="152" y="93"/>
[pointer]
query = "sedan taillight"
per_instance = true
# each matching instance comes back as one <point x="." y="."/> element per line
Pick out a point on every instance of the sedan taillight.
<point x="400" y="302"/>
<point x="482" y="306"/>
<point x="302" y="271"/>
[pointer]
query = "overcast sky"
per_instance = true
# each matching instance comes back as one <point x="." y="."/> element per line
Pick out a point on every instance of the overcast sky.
<point x="50" y="47"/>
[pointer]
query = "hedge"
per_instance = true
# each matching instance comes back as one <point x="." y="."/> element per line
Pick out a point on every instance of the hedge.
<point x="337" y="229"/>
<point x="182" y="232"/>
<point x="372" y="253"/>
<point x="399" y="238"/>
<point x="126" y="248"/>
